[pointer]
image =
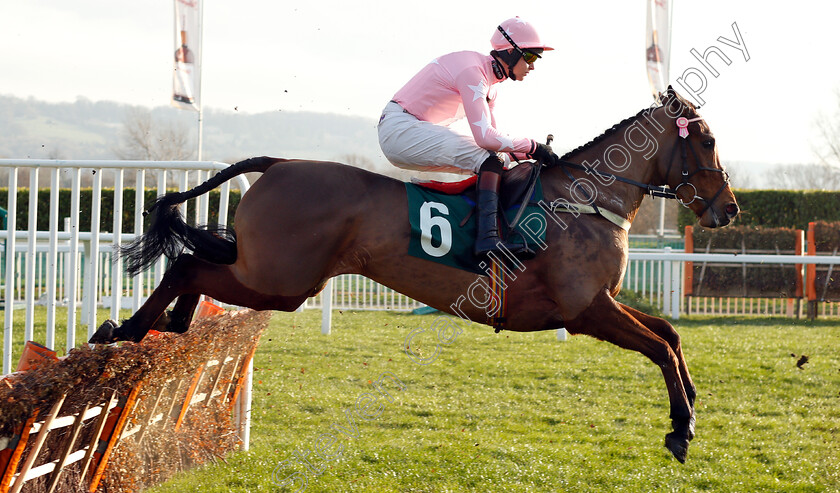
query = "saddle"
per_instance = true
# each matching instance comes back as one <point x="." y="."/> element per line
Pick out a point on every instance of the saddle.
<point x="516" y="183"/>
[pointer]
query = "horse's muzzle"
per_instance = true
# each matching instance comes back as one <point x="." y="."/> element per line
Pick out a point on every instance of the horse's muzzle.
<point x="730" y="210"/>
<point x="713" y="217"/>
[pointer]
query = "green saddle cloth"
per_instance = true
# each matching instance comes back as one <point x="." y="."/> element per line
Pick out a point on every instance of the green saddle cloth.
<point x="439" y="233"/>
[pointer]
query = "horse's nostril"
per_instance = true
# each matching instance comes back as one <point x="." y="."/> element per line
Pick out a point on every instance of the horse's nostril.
<point x="732" y="209"/>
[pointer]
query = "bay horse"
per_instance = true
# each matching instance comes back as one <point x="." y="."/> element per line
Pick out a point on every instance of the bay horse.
<point x="304" y="222"/>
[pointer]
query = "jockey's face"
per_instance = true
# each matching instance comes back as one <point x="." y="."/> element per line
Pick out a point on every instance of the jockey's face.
<point x="522" y="68"/>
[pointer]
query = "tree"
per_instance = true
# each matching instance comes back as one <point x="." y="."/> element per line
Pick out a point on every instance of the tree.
<point x="825" y="175"/>
<point x="144" y="139"/>
<point x="805" y="177"/>
<point x="828" y="132"/>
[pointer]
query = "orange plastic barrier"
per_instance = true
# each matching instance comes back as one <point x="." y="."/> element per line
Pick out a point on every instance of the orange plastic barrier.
<point x="33" y="355"/>
<point x="208" y="309"/>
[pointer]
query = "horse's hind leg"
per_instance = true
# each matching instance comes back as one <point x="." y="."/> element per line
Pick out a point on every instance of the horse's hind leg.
<point x="177" y="320"/>
<point x="176" y="282"/>
<point x="188" y="277"/>
<point x="607" y="320"/>
<point x="180" y="318"/>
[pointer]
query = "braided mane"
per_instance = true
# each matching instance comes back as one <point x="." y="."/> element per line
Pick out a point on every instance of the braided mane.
<point x="612" y="130"/>
<point x="607" y="133"/>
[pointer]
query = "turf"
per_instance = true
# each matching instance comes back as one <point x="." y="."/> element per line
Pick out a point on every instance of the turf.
<point x="524" y="412"/>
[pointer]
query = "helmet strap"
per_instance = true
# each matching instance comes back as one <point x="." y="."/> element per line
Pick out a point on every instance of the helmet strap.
<point x="498" y="71"/>
<point x="507" y="60"/>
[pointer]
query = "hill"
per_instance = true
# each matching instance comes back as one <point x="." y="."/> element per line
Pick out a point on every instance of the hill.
<point x="86" y="129"/>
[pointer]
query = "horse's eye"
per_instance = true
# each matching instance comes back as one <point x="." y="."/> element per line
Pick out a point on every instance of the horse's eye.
<point x="709" y="144"/>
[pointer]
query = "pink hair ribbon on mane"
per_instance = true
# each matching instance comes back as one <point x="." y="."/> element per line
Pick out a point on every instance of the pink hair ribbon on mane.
<point x="682" y="123"/>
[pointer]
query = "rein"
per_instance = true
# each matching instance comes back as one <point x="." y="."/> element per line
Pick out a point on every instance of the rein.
<point x="653" y="190"/>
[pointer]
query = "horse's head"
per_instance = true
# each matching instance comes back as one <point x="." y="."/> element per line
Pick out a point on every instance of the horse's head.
<point x="689" y="162"/>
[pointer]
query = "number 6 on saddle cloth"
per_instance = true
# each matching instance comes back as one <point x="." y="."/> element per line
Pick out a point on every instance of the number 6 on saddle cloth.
<point x="443" y="224"/>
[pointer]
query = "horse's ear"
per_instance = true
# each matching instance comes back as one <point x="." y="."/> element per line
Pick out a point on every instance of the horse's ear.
<point x="671" y="96"/>
<point x="664" y="97"/>
<point x="670" y="93"/>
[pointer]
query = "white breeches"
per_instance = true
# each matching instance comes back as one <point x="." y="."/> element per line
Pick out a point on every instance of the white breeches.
<point x="414" y="144"/>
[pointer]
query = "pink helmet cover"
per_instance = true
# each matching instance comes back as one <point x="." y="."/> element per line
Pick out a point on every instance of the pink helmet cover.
<point x="521" y="32"/>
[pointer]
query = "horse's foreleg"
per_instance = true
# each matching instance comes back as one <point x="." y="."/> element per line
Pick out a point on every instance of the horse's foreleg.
<point x="607" y="320"/>
<point x="666" y="331"/>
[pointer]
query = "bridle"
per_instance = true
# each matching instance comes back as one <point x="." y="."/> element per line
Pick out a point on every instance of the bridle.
<point x="662" y="191"/>
<point x="685" y="146"/>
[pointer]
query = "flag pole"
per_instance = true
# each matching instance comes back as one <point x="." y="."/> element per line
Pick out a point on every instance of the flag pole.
<point x="658" y="61"/>
<point x="201" y="67"/>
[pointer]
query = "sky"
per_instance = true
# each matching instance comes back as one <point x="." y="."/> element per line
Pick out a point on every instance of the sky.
<point x="350" y="57"/>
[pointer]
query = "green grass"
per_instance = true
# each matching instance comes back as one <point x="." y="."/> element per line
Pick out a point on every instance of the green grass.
<point x="524" y="412"/>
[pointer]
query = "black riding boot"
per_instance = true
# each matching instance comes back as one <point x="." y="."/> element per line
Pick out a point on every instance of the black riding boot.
<point x="487" y="202"/>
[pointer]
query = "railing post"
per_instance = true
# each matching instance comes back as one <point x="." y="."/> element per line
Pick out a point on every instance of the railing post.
<point x="689" y="266"/>
<point x="91" y="289"/>
<point x="326" y="308"/>
<point x="11" y="226"/>
<point x="86" y="281"/>
<point x="811" y="272"/>
<point x="31" y="256"/>
<point x="73" y="260"/>
<point x="676" y="290"/>
<point x="139" y="204"/>
<point x="245" y="409"/>
<point x="116" y="265"/>
<point x="52" y="258"/>
<point x="667" y="284"/>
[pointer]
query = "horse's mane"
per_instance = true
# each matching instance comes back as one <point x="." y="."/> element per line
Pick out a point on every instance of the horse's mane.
<point x="607" y="133"/>
<point x="610" y="131"/>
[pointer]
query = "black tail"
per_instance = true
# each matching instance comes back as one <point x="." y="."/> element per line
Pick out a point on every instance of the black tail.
<point x="168" y="234"/>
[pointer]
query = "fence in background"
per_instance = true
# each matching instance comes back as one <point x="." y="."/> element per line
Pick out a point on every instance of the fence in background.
<point x="65" y="266"/>
<point x="658" y="275"/>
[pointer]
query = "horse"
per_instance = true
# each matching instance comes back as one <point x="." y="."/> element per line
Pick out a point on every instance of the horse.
<point x="304" y="222"/>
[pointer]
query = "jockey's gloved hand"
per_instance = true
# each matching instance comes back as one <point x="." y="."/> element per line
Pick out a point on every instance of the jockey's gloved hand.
<point x="544" y="155"/>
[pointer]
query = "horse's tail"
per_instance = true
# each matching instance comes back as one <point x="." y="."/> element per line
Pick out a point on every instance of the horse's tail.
<point x="168" y="234"/>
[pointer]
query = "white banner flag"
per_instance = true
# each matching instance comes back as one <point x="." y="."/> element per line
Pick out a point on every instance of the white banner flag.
<point x="658" y="44"/>
<point x="186" y="86"/>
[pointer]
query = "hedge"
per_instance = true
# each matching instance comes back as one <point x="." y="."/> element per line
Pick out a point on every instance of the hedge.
<point x="762" y="280"/>
<point x="778" y="208"/>
<point x="748" y="280"/>
<point x="107" y="207"/>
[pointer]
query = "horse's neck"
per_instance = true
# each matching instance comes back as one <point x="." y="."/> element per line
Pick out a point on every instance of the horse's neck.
<point x="615" y="196"/>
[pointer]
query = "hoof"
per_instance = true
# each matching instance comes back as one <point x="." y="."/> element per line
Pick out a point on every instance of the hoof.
<point x="678" y="445"/>
<point x="105" y="334"/>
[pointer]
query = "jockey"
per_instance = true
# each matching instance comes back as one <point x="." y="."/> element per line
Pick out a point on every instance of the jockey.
<point x="414" y="128"/>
